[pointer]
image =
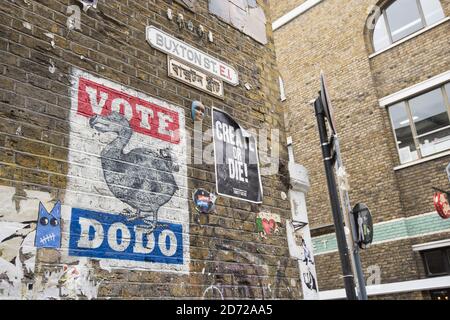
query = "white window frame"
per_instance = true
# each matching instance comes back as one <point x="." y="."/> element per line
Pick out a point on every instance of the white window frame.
<point x="416" y="89"/>
<point x="424" y="28"/>
<point x="431" y="245"/>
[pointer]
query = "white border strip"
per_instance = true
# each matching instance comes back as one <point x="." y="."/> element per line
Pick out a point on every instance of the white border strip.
<point x="390" y="288"/>
<point x="419" y="161"/>
<point x="415" y="89"/>
<point x="291" y="15"/>
<point x="431" y="245"/>
<point x="388" y="240"/>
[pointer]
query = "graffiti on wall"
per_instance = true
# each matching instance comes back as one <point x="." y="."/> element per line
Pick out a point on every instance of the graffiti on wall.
<point x="17" y="235"/>
<point x="245" y="15"/>
<point x="253" y="277"/>
<point x="300" y="247"/>
<point x="128" y="184"/>
<point x="307" y="260"/>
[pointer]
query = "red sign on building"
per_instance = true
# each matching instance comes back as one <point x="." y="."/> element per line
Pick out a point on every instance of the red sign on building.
<point x="442" y="205"/>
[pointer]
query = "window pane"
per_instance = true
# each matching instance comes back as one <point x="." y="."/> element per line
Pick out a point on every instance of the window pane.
<point x="435" y="262"/>
<point x="447" y="89"/>
<point x="440" y="294"/>
<point x="429" y="112"/>
<point x="432" y="124"/>
<point x="405" y="141"/>
<point x="435" y="142"/>
<point x="380" y="36"/>
<point x="432" y="11"/>
<point x="403" y="18"/>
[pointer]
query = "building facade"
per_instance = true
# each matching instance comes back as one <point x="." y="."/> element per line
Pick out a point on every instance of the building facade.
<point x="387" y="64"/>
<point x="101" y="161"/>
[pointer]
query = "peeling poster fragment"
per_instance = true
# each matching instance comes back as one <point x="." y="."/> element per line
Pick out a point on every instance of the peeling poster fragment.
<point x="245" y="15"/>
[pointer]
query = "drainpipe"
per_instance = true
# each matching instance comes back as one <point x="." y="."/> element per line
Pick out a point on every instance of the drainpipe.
<point x="297" y="229"/>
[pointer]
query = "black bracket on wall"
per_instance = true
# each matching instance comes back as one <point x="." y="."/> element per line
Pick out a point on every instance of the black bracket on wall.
<point x="442" y="191"/>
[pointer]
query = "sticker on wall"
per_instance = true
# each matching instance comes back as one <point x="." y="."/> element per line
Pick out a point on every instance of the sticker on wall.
<point x="245" y="15"/>
<point x="128" y="178"/>
<point x="198" y="111"/>
<point x="236" y="160"/>
<point x="48" y="230"/>
<point x="204" y="201"/>
<point x="166" y="43"/>
<point x="195" y="78"/>
<point x="267" y="224"/>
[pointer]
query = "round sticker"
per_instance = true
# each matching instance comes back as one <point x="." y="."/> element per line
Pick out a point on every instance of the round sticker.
<point x="442" y="205"/>
<point x="204" y="201"/>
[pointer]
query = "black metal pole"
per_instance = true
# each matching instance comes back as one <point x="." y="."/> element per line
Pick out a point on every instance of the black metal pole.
<point x="349" y="281"/>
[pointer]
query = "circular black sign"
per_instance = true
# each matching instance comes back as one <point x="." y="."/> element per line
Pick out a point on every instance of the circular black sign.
<point x="364" y="225"/>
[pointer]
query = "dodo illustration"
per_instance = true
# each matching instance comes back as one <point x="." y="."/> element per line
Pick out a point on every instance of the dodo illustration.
<point x="141" y="178"/>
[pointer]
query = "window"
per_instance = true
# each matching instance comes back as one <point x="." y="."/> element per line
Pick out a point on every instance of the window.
<point x="404" y="17"/>
<point x="437" y="262"/>
<point x="440" y="294"/>
<point x="422" y="125"/>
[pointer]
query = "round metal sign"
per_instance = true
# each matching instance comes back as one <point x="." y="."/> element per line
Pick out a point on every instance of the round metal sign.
<point x="204" y="201"/>
<point x="364" y="225"/>
<point x="442" y="205"/>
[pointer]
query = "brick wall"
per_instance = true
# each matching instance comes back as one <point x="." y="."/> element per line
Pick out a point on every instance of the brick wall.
<point x="280" y="8"/>
<point x="46" y="154"/>
<point x="385" y="256"/>
<point x="409" y="60"/>
<point x="333" y="38"/>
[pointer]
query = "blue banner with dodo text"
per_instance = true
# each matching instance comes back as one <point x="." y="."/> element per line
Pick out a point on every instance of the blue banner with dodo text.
<point x="112" y="236"/>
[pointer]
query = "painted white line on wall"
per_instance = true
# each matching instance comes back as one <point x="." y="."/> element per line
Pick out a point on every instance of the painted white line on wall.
<point x="415" y="89"/>
<point x="291" y="15"/>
